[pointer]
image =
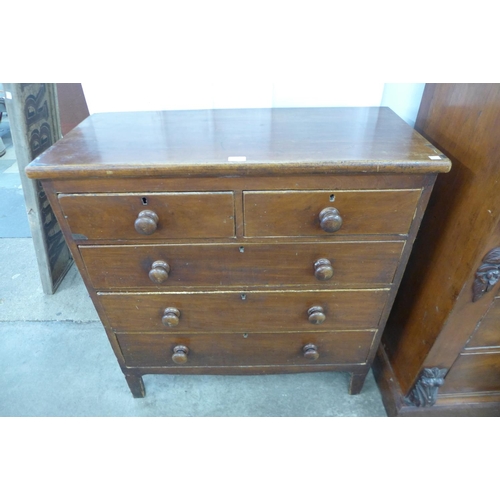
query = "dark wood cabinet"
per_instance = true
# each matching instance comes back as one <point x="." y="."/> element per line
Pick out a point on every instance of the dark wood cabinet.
<point x="201" y="260"/>
<point x="440" y="352"/>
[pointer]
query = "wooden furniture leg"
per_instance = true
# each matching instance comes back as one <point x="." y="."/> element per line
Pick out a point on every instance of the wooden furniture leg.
<point x="357" y="382"/>
<point x="136" y="385"/>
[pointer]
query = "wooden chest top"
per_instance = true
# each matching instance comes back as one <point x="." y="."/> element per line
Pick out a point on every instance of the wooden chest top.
<point x="232" y="142"/>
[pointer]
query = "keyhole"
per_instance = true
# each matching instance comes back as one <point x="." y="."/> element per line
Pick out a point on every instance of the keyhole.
<point x="243" y="296"/>
<point x="144" y="200"/>
<point x="332" y="197"/>
<point x="242" y="249"/>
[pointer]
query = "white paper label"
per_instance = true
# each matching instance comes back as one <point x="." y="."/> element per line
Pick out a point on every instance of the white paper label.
<point x="8" y="95"/>
<point x="435" y="157"/>
<point x="236" y="158"/>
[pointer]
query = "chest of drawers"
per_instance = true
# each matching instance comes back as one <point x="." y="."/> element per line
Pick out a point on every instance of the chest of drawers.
<point x="241" y="241"/>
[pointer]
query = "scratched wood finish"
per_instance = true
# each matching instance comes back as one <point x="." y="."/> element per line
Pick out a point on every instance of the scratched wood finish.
<point x="257" y="311"/>
<point x="296" y="213"/>
<point x="242" y="264"/>
<point x="181" y="215"/>
<point x="274" y="141"/>
<point x="434" y="316"/>
<point x="256" y="348"/>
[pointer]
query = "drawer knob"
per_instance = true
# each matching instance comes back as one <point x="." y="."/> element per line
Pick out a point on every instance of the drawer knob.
<point x="316" y="315"/>
<point x="146" y="222"/>
<point x="180" y="355"/>
<point x="171" y="316"/>
<point x="159" y="272"/>
<point x="323" y="269"/>
<point x="330" y="220"/>
<point x="310" y="351"/>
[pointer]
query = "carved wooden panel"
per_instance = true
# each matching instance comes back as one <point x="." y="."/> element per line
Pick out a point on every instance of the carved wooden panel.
<point x="424" y="392"/>
<point x="34" y="117"/>
<point x="487" y="274"/>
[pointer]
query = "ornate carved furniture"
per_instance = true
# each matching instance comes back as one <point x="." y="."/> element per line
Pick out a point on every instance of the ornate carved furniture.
<point x="241" y="241"/>
<point x="440" y="352"/>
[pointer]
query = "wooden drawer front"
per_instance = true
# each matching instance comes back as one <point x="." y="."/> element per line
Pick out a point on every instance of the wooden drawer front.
<point x="488" y="332"/>
<point x="473" y="373"/>
<point x="180" y="215"/>
<point x="245" y="311"/>
<point x="296" y="213"/>
<point x="114" y="267"/>
<point x="256" y="349"/>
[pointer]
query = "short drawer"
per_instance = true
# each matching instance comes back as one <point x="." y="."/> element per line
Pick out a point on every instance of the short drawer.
<point x="254" y="349"/>
<point x="178" y="215"/>
<point x="297" y="213"/>
<point x="244" y="311"/>
<point x="207" y="265"/>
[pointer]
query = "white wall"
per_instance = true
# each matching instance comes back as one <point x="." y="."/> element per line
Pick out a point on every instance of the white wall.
<point x="404" y="99"/>
<point x="264" y="53"/>
<point x="213" y="93"/>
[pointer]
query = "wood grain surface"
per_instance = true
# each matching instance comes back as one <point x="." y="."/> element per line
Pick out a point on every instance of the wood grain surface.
<point x="252" y="350"/>
<point x="487" y="333"/>
<point x="244" y="264"/>
<point x="180" y="215"/>
<point x="474" y="373"/>
<point x="296" y="213"/>
<point x="272" y="141"/>
<point x="244" y="312"/>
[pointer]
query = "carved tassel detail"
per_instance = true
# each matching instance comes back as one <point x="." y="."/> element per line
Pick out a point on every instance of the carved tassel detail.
<point x="487" y="274"/>
<point x="424" y="392"/>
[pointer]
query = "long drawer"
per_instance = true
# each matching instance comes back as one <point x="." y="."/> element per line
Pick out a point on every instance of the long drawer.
<point x="298" y="213"/>
<point x="244" y="311"/>
<point x="349" y="264"/>
<point x="141" y="350"/>
<point x="162" y="215"/>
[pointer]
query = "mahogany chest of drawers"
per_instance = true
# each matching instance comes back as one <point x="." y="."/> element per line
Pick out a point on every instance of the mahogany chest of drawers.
<point x="241" y="241"/>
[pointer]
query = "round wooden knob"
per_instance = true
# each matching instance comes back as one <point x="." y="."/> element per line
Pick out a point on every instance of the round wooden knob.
<point x="323" y="269"/>
<point x="330" y="220"/>
<point x="180" y="355"/>
<point x="159" y="272"/>
<point x="171" y="316"/>
<point x="310" y="352"/>
<point x="146" y="222"/>
<point x="316" y="315"/>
